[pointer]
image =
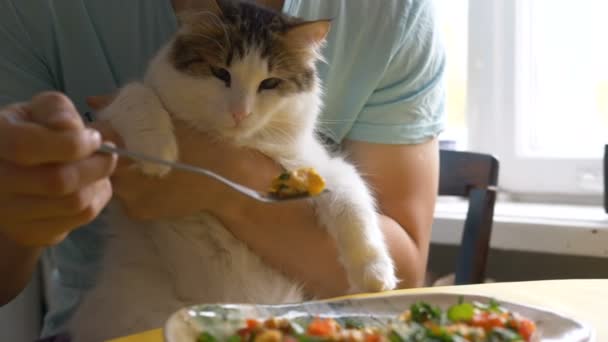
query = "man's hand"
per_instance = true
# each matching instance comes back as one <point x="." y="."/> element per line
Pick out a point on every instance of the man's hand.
<point x="51" y="180"/>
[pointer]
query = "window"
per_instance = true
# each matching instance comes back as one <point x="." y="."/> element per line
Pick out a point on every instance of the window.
<point x="536" y="90"/>
<point x="563" y="78"/>
<point x="453" y="16"/>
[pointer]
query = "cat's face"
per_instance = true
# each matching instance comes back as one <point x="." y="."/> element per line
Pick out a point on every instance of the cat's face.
<point x="243" y="66"/>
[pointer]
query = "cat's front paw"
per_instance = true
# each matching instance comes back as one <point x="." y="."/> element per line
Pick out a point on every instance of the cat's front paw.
<point x="375" y="274"/>
<point x="164" y="148"/>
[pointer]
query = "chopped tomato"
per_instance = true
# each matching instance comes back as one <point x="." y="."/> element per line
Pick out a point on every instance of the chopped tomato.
<point x="526" y="328"/>
<point x="373" y="338"/>
<point x="244" y="333"/>
<point x="321" y="327"/>
<point x="252" y="323"/>
<point x="433" y="327"/>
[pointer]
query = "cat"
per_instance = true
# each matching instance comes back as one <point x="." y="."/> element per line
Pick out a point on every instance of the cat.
<point x="246" y="74"/>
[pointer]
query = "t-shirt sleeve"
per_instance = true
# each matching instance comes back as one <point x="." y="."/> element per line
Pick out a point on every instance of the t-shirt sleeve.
<point x="23" y="72"/>
<point x="407" y="106"/>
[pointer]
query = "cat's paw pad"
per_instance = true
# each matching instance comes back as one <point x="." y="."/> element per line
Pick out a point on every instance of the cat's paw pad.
<point x="375" y="275"/>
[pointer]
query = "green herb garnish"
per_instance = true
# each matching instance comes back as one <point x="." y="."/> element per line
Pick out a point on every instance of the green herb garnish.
<point x="504" y="335"/>
<point x="234" y="338"/>
<point x="206" y="337"/>
<point x="351" y="323"/>
<point x="393" y="336"/>
<point x="422" y="312"/>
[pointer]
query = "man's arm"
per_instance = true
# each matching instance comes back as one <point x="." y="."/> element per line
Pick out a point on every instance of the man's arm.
<point x="404" y="178"/>
<point x="16" y="265"/>
<point x="51" y="182"/>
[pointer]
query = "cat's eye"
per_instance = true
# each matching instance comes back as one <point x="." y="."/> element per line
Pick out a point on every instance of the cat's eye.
<point x="269" y="83"/>
<point x="221" y="74"/>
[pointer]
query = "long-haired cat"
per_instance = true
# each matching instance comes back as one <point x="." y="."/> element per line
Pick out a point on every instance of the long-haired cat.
<point x="247" y="75"/>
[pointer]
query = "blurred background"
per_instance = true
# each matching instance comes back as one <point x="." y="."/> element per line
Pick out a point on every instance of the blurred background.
<point x="527" y="81"/>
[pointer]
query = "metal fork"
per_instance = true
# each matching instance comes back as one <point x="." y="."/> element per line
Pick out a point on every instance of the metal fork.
<point x="266" y="197"/>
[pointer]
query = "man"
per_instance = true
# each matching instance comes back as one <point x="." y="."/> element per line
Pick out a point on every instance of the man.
<point x="383" y="107"/>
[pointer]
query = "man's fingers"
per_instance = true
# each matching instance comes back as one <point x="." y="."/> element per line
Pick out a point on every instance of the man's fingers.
<point x="107" y="132"/>
<point x="30" y="233"/>
<point x="49" y="129"/>
<point x="54" y="110"/>
<point x="55" y="179"/>
<point x="26" y="208"/>
<point x="27" y="143"/>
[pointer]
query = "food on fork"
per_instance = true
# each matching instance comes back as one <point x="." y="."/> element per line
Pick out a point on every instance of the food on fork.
<point x="422" y="322"/>
<point x="297" y="182"/>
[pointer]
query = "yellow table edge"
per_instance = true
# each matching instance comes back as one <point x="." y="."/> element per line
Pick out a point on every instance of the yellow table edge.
<point x="156" y="335"/>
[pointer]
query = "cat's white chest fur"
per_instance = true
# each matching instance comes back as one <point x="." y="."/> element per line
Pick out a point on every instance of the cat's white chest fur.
<point x="151" y="269"/>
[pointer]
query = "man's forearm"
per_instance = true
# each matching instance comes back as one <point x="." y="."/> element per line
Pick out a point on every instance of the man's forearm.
<point x="288" y="237"/>
<point x="17" y="264"/>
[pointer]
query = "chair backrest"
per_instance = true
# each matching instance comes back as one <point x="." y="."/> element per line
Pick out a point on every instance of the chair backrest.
<point x="474" y="176"/>
<point x="606" y="178"/>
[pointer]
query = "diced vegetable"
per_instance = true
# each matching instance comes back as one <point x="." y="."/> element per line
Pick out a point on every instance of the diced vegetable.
<point x="321" y="327"/>
<point x="234" y="338"/>
<point x="373" y="338"/>
<point x="252" y="323"/>
<point x="297" y="182"/>
<point x="526" y="328"/>
<point x="504" y="335"/>
<point x="489" y="320"/>
<point x="269" y="335"/>
<point x="461" y="312"/>
<point x="422" y="322"/>
<point x="206" y="337"/>
<point x="297" y="329"/>
<point x="422" y="312"/>
<point x="393" y="336"/>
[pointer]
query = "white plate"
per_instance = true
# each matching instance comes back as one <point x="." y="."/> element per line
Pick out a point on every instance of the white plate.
<point x="186" y="324"/>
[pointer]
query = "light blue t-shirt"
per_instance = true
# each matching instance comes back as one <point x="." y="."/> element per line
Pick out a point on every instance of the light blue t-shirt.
<point x="382" y="80"/>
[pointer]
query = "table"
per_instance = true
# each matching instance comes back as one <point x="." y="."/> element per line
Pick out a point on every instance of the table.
<point x="585" y="300"/>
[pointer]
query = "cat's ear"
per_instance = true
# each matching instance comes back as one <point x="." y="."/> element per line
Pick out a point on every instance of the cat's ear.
<point x="309" y="33"/>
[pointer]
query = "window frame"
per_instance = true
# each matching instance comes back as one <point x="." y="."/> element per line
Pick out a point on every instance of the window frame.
<point x="495" y="109"/>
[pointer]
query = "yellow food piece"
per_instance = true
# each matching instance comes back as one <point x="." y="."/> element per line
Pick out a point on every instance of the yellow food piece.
<point x="270" y="335"/>
<point x="298" y="182"/>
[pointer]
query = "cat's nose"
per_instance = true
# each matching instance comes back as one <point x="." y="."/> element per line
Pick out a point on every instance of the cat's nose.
<point x="239" y="116"/>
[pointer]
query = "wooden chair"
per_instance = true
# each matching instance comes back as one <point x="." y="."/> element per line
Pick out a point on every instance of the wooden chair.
<point x="473" y="176"/>
<point x="606" y="178"/>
